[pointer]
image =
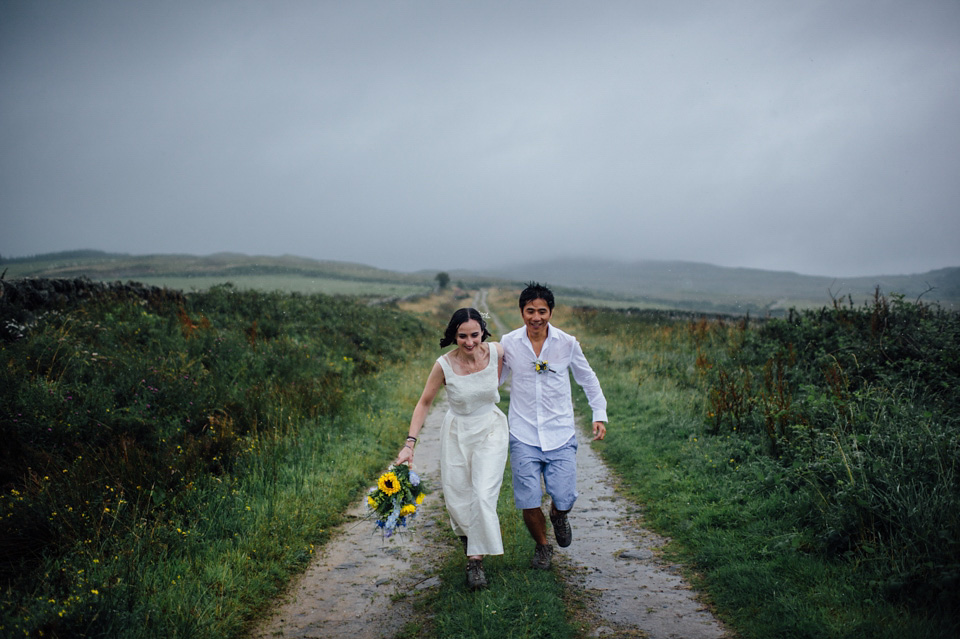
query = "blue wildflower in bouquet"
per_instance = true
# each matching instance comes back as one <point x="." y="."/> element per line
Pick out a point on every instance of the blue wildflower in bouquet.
<point x="396" y="498"/>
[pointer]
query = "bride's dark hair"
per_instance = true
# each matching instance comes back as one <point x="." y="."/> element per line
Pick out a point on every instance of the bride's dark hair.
<point x="460" y="316"/>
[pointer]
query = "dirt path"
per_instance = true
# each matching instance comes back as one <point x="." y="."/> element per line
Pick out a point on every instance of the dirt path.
<point x="615" y="560"/>
<point x="351" y="590"/>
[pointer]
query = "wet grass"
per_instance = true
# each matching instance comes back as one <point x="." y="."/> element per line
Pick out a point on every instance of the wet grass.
<point x="166" y="470"/>
<point x="798" y="499"/>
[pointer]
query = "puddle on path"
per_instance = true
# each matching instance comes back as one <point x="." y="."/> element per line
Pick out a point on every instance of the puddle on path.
<point x="350" y="591"/>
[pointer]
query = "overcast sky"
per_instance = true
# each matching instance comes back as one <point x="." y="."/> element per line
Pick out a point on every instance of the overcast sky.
<point x="821" y="137"/>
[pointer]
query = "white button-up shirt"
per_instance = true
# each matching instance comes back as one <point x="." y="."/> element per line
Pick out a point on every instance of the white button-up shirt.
<point x="541" y="406"/>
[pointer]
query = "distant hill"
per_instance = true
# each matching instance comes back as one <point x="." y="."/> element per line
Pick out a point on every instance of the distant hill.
<point x="99" y="265"/>
<point x="192" y="272"/>
<point x="652" y="284"/>
<point x="700" y="286"/>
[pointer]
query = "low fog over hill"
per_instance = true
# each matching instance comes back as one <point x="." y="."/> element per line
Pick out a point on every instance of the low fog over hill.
<point x="660" y="284"/>
<point x="691" y="284"/>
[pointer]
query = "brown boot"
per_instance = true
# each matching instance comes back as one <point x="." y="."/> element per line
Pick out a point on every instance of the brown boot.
<point x="542" y="556"/>
<point x="561" y="528"/>
<point x="476" y="579"/>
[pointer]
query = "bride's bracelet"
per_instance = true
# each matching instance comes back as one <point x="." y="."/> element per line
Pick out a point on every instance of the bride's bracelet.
<point x="413" y="439"/>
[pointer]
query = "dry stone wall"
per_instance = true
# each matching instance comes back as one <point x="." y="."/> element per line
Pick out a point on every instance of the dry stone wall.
<point x="22" y="300"/>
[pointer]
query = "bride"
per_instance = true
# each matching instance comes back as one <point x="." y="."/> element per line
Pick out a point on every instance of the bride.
<point x="473" y="438"/>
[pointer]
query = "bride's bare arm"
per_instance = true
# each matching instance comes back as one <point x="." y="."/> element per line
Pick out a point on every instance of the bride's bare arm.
<point x="430" y="390"/>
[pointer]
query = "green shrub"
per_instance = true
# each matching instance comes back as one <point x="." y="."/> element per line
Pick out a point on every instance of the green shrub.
<point x="146" y="443"/>
<point x="824" y="446"/>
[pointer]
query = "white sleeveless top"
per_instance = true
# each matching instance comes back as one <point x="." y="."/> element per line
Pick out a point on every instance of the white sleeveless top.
<point x="474" y="394"/>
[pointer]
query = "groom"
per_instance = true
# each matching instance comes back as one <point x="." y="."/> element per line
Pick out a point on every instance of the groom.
<point x="543" y="441"/>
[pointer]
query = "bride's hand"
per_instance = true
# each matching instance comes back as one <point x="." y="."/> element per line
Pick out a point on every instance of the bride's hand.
<point x="405" y="456"/>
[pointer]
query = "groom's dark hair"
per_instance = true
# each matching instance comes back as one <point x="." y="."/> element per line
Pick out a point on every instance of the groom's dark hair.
<point x="536" y="291"/>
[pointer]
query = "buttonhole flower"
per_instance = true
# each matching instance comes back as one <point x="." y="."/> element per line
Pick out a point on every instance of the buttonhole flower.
<point x="542" y="366"/>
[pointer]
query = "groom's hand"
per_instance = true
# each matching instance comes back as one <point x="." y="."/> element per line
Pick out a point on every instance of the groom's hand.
<point x="599" y="430"/>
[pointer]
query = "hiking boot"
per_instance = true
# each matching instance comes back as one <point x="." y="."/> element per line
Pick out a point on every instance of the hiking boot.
<point x="476" y="579"/>
<point x="561" y="529"/>
<point x="542" y="555"/>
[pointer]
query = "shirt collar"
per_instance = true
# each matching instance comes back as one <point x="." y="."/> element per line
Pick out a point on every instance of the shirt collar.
<point x="551" y="335"/>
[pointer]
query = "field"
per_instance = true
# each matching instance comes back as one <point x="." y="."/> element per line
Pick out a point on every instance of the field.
<point x="169" y="466"/>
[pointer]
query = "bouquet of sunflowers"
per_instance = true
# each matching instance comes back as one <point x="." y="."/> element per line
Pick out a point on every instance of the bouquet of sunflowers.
<point x="395" y="498"/>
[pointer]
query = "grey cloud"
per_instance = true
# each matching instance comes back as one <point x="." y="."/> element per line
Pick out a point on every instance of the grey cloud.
<point x="814" y="137"/>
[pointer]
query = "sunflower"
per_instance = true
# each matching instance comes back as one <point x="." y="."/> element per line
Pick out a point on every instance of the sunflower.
<point x="395" y="499"/>
<point x="388" y="483"/>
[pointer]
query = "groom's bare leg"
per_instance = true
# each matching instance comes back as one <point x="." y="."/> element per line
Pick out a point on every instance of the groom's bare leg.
<point x="536" y="524"/>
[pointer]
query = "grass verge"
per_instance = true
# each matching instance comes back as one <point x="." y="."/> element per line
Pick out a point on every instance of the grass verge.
<point x="746" y="505"/>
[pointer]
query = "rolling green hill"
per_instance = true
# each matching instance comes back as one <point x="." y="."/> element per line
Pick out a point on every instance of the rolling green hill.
<point x="98" y="265"/>
<point x="647" y="284"/>
<point x="192" y="272"/>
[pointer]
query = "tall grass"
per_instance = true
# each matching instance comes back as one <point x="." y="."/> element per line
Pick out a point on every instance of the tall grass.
<point x="166" y="468"/>
<point x="807" y="467"/>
